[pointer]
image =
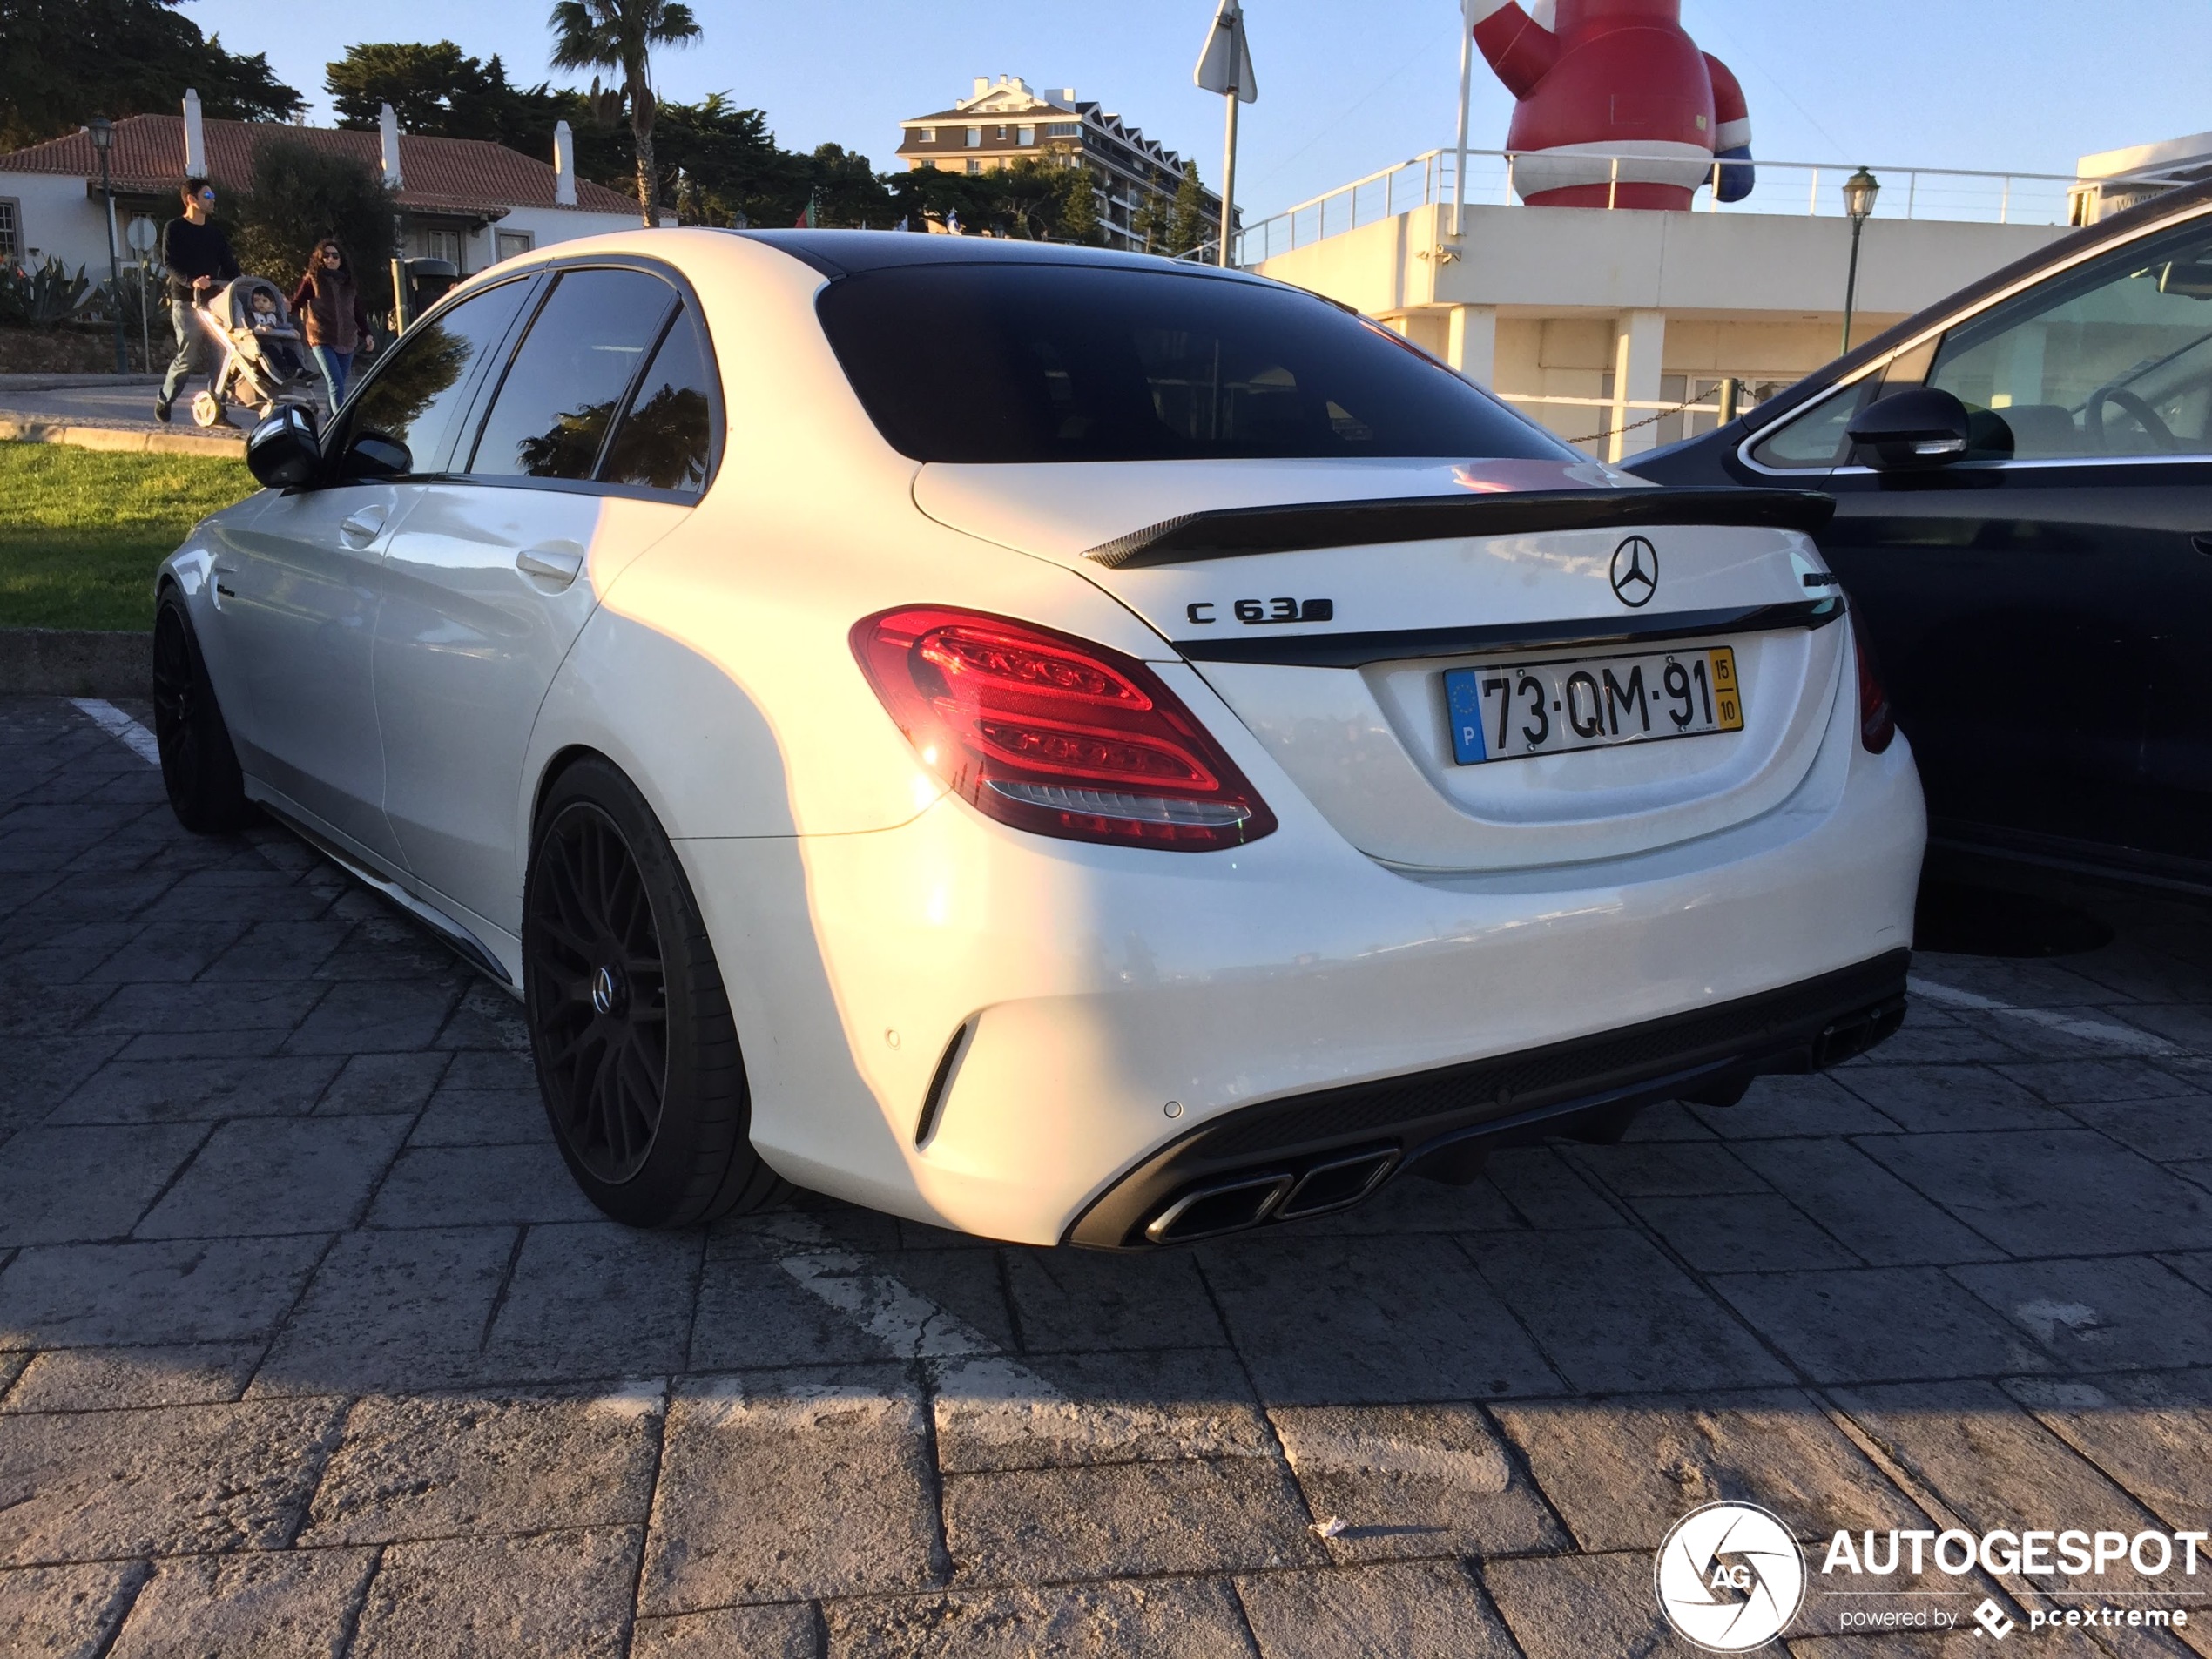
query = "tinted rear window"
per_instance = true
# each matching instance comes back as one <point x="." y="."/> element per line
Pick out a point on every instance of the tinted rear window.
<point x="1043" y="362"/>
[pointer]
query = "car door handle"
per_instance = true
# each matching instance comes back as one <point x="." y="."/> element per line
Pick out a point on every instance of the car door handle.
<point x="560" y="561"/>
<point x="359" y="529"/>
<point x="222" y="589"/>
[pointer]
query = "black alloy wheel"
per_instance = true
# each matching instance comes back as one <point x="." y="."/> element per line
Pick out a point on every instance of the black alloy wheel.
<point x="199" y="769"/>
<point x="636" y="1047"/>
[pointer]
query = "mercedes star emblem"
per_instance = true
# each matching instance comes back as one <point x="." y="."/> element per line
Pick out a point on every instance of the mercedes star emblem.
<point x="1635" y="572"/>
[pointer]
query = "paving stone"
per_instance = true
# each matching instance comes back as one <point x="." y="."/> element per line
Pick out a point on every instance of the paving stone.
<point x="2076" y="1083"/>
<point x="487" y="1019"/>
<point x="1412" y="1204"/>
<point x="83" y="1379"/>
<point x="177" y="1091"/>
<point x="1146" y="1619"/>
<point x="1545" y="1191"/>
<point x="1572" y="1607"/>
<point x="559" y="1595"/>
<point x="167" y="952"/>
<point x="784" y="1632"/>
<point x="1749" y="1230"/>
<point x="1961" y="1044"/>
<point x="1413" y="1480"/>
<point x="384" y="1083"/>
<point x="2049" y="1192"/>
<point x="482" y="1117"/>
<point x="2165" y="1132"/>
<point x="1071" y="1300"/>
<point x="1778" y="1107"/>
<point x="43" y="1072"/>
<point x="593" y="1299"/>
<point x="468" y="1186"/>
<point x="183" y="1480"/>
<point x="2103" y="1314"/>
<point x="1863" y="1205"/>
<point x="964" y="1284"/>
<point x="1944" y="1098"/>
<point x="1116" y="1520"/>
<point x="1612" y="1312"/>
<point x="2197" y="1269"/>
<point x="278" y="1175"/>
<point x="1332" y="1321"/>
<point x="67" y="1612"/>
<point x="201" y="901"/>
<point x="59" y="1184"/>
<point x="155" y="1291"/>
<point x="1622" y="1472"/>
<point x="202" y="1045"/>
<point x="12" y="1366"/>
<point x="1667" y="1170"/>
<point x="389" y="1311"/>
<point x="391" y="1016"/>
<point x="1390" y="1610"/>
<point x="999" y="1413"/>
<point x="468" y="1465"/>
<point x="2020" y="982"/>
<point x="36" y="1010"/>
<point x="2150" y="1433"/>
<point x="272" y="1606"/>
<point x="753" y="1314"/>
<point x="1877" y="1324"/>
<point x="2190" y="1027"/>
<point x="277" y="950"/>
<point x="222" y="1011"/>
<point x="776" y="1488"/>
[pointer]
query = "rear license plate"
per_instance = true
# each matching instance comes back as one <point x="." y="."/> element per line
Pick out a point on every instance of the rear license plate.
<point x="1518" y="709"/>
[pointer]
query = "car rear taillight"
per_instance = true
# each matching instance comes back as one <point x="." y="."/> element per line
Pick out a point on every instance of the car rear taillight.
<point x="1054" y="734"/>
<point x="1877" y="726"/>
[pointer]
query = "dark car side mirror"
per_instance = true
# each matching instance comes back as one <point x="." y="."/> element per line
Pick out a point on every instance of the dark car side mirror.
<point x="282" y="452"/>
<point x="1913" y="430"/>
<point x="372" y="455"/>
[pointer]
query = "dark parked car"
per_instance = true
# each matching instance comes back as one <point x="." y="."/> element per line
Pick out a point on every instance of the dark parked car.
<point x="2023" y="479"/>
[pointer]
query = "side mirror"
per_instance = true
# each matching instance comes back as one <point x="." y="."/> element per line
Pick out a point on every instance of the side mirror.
<point x="282" y="452"/>
<point x="371" y="455"/>
<point x="1913" y="430"/>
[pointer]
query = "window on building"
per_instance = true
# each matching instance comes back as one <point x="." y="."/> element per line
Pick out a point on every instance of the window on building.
<point x="924" y="135"/>
<point x="10" y="231"/>
<point x="582" y="351"/>
<point x="1064" y="130"/>
<point x="975" y="166"/>
<point x="1025" y="135"/>
<point x="512" y="242"/>
<point x="1001" y="135"/>
<point x="974" y="138"/>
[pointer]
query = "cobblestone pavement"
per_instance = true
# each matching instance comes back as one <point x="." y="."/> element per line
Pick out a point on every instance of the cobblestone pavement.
<point x="308" y="1346"/>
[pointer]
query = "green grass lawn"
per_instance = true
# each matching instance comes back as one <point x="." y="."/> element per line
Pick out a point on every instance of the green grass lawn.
<point x="82" y="531"/>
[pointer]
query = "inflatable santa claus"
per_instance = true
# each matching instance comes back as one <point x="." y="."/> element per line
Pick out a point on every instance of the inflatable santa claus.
<point x="1603" y="79"/>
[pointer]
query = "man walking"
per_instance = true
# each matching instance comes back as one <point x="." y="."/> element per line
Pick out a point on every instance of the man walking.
<point x="198" y="260"/>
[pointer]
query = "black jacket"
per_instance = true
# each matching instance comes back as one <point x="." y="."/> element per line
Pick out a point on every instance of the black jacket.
<point x="189" y="251"/>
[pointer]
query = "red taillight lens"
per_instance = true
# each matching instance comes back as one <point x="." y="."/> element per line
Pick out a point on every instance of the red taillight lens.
<point x="1877" y="726"/>
<point x="1054" y="734"/>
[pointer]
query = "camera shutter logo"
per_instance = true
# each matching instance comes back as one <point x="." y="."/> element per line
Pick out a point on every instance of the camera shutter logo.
<point x="1730" y="1577"/>
<point x="1635" y="572"/>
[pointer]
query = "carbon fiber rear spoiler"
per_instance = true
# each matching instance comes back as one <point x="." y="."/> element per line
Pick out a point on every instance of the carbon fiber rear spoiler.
<point x="1233" y="532"/>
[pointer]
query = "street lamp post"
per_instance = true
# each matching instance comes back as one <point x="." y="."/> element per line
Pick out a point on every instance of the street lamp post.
<point x="1859" y="190"/>
<point x="103" y="137"/>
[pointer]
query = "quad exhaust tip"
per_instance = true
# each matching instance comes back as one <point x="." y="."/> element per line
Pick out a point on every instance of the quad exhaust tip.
<point x="1231" y="1207"/>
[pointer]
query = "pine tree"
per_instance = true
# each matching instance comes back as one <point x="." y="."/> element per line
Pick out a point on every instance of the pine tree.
<point x="1149" y="224"/>
<point x="1079" y="210"/>
<point x="1186" y="226"/>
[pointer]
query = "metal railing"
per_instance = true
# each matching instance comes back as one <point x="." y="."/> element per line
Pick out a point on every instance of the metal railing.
<point x="1794" y="188"/>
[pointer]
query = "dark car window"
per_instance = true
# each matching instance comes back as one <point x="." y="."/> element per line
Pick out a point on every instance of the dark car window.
<point x="665" y="440"/>
<point x="2114" y="359"/>
<point x="1819" y="437"/>
<point x="575" y="364"/>
<point x="416" y="392"/>
<point x="1069" y="362"/>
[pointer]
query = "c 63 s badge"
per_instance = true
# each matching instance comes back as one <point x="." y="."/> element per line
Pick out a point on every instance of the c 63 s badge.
<point x="1257" y="613"/>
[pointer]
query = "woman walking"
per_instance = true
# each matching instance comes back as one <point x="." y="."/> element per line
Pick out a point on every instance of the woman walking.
<point x="329" y="300"/>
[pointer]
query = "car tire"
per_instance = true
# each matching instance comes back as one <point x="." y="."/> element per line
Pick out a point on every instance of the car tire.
<point x="199" y="766"/>
<point x="636" y="1048"/>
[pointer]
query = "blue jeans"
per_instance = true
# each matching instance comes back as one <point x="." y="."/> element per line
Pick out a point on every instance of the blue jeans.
<point x="335" y="366"/>
<point x="194" y="354"/>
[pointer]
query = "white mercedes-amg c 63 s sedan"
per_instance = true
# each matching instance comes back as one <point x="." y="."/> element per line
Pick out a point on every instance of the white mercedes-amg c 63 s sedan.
<point x="1057" y="744"/>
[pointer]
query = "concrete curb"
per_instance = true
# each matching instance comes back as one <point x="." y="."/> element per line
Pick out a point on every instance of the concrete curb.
<point x="75" y="662"/>
<point x="154" y="440"/>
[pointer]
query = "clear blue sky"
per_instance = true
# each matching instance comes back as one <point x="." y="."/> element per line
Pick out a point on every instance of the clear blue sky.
<point x="1351" y="86"/>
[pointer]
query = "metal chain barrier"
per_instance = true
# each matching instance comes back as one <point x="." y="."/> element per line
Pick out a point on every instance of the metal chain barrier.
<point x="1690" y="403"/>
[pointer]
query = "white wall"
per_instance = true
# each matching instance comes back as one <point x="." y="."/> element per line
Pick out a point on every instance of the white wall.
<point x="60" y="221"/>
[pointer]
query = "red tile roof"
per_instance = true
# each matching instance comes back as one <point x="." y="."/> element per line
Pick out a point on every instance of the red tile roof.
<point x="438" y="175"/>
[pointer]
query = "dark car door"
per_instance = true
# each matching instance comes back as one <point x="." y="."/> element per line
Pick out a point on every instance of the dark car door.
<point x="2043" y="607"/>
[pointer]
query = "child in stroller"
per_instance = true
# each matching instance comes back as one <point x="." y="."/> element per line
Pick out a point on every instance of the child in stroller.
<point x="261" y="361"/>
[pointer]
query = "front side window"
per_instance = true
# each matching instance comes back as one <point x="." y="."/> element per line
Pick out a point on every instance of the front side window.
<point x="996" y="363"/>
<point x="575" y="366"/>
<point x="416" y="392"/>
<point x="2113" y="360"/>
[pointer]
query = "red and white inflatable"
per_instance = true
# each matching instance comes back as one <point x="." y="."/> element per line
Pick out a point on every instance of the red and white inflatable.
<point x="1598" y="78"/>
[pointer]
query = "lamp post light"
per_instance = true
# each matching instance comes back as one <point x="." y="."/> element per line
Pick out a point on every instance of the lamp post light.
<point x="103" y="137"/>
<point x="1859" y="190"/>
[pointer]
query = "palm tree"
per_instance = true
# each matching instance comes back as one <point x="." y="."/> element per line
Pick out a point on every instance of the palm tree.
<point x="620" y="35"/>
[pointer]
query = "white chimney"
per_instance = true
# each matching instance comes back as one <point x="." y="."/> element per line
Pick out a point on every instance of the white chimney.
<point x="195" y="137"/>
<point x="388" y="128"/>
<point x="982" y="86"/>
<point x="1068" y="97"/>
<point x="564" y="164"/>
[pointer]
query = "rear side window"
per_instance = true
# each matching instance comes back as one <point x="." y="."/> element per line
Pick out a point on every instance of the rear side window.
<point x="414" y="393"/>
<point x="583" y="351"/>
<point x="1068" y="362"/>
<point x="666" y="440"/>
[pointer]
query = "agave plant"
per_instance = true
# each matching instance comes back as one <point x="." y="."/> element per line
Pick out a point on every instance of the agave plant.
<point x="44" y="297"/>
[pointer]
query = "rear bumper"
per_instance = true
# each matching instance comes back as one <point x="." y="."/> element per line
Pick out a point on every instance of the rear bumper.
<point x="1287" y="1159"/>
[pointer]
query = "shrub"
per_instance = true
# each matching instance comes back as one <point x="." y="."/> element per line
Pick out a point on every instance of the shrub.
<point x="300" y="195"/>
<point x="44" y="297"/>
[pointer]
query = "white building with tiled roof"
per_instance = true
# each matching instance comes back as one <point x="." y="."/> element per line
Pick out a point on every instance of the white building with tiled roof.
<point x="461" y="199"/>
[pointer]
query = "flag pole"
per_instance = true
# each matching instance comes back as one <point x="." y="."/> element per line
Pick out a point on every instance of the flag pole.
<point x="1466" y="98"/>
<point x="1229" y="181"/>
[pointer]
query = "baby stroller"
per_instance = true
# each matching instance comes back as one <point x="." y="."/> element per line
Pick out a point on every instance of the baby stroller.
<point x="261" y="358"/>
